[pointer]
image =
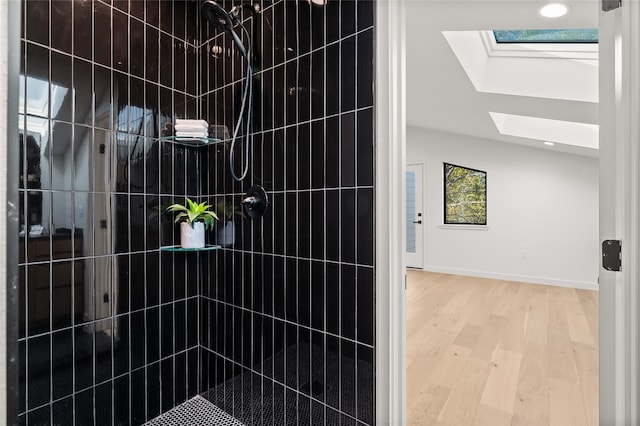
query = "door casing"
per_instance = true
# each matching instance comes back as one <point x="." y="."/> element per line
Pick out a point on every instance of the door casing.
<point x="619" y="211"/>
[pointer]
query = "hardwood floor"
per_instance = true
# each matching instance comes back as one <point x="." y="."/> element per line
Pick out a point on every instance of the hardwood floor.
<point x="490" y="352"/>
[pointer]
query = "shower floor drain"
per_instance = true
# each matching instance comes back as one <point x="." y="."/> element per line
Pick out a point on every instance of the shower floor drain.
<point x="195" y="412"/>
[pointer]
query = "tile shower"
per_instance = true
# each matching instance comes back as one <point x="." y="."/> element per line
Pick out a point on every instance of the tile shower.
<point x="275" y="328"/>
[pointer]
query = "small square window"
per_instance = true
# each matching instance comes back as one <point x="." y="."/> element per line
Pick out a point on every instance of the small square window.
<point x="465" y="196"/>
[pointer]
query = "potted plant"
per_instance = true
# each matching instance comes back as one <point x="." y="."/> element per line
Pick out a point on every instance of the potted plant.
<point x="194" y="218"/>
<point x="226" y="235"/>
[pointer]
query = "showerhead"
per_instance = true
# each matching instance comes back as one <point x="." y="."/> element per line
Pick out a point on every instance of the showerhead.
<point x="217" y="15"/>
<point x="224" y="21"/>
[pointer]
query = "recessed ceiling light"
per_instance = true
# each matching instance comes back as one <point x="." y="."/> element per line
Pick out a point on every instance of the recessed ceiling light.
<point x="549" y="143"/>
<point x="554" y="10"/>
<point x="318" y="2"/>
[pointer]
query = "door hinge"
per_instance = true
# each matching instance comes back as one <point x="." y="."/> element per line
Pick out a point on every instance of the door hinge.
<point x="609" y="5"/>
<point x="612" y="255"/>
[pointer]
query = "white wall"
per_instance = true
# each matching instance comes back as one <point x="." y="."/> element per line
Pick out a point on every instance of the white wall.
<point x="540" y="202"/>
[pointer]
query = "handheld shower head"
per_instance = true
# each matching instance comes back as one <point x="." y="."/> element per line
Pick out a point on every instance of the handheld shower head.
<point x="217" y="15"/>
<point x="227" y="21"/>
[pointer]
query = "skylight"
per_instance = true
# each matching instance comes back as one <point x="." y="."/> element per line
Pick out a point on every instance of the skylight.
<point x="559" y="131"/>
<point x="540" y="70"/>
<point x="585" y="35"/>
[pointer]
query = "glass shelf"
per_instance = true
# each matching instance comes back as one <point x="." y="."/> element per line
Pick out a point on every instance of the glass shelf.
<point x="191" y="141"/>
<point x="180" y="249"/>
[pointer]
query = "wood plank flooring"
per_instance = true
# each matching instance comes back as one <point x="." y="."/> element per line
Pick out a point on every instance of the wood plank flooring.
<point x="490" y="352"/>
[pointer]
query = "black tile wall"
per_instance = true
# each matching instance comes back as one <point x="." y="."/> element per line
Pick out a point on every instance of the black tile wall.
<point x="287" y="310"/>
<point x="278" y="326"/>
<point x="108" y="323"/>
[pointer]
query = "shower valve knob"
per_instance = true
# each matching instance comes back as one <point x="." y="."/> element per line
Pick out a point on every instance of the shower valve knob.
<point x="255" y="202"/>
<point x="250" y="203"/>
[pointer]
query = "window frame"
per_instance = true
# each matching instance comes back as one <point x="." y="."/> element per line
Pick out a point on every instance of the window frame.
<point x="444" y="197"/>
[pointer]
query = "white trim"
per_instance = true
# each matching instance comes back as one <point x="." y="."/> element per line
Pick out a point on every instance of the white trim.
<point x="9" y="71"/>
<point x="390" y="201"/>
<point x="619" y="212"/>
<point x="4" y="131"/>
<point x="607" y="225"/>
<point x="511" y="277"/>
<point x="628" y="324"/>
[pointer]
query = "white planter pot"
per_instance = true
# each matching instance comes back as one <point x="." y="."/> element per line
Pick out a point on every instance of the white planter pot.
<point x="226" y="235"/>
<point x="192" y="237"/>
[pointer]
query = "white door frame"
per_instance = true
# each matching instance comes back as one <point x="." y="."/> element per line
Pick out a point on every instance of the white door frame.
<point x="9" y="71"/>
<point x="4" y="131"/>
<point x="390" y="202"/>
<point x="618" y="329"/>
<point x="619" y="211"/>
<point x="416" y="260"/>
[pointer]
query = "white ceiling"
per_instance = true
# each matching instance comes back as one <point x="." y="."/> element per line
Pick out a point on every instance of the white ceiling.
<point x="441" y="96"/>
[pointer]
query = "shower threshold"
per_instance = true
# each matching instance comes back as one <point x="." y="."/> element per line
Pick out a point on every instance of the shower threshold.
<point x="195" y="412"/>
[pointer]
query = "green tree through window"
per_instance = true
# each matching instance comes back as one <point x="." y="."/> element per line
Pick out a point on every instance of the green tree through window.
<point x="465" y="195"/>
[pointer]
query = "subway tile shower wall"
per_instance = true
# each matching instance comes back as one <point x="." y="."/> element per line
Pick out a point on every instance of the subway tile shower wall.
<point x="108" y="322"/>
<point x="287" y="308"/>
<point x="275" y="328"/>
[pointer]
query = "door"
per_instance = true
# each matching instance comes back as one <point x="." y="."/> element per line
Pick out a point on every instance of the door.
<point x="414" y="217"/>
<point x="619" y="45"/>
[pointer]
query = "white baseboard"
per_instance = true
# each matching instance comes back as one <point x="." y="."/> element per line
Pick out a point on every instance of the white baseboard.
<point x="520" y="278"/>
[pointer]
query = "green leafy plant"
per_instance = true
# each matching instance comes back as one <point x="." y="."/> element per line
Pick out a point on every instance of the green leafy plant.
<point x="194" y="212"/>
